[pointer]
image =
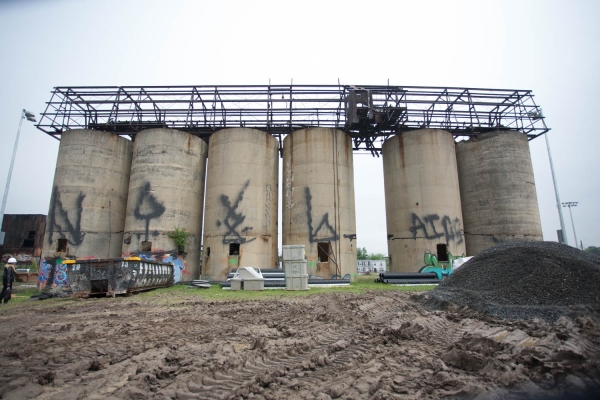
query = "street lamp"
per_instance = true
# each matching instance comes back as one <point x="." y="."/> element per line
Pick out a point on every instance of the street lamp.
<point x="563" y="232"/>
<point x="30" y="117"/>
<point x="572" y="204"/>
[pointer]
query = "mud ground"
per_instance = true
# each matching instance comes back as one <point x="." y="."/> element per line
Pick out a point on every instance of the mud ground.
<point x="378" y="345"/>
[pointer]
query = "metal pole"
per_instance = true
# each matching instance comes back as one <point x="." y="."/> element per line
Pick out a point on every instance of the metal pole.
<point x="573" y="223"/>
<point x="560" y="215"/>
<point x="10" y="169"/>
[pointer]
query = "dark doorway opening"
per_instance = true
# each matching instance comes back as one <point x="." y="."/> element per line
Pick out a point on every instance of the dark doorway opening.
<point x="62" y="246"/>
<point x="323" y="249"/>
<point x="234" y="249"/>
<point x="442" y="252"/>
<point x="146" y="246"/>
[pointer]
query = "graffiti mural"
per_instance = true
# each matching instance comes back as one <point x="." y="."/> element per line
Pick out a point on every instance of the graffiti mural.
<point x="60" y="274"/>
<point x="324" y="231"/>
<point x="268" y="199"/>
<point x="44" y="274"/>
<point x="289" y="188"/>
<point x="233" y="219"/>
<point x="167" y="257"/>
<point x="52" y="273"/>
<point x="147" y="207"/>
<point x="59" y="220"/>
<point x="433" y="227"/>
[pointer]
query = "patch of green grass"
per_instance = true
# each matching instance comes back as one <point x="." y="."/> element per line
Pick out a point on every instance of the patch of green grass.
<point x="179" y="293"/>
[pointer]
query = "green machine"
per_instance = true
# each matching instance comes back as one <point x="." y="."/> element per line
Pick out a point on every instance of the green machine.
<point x="441" y="268"/>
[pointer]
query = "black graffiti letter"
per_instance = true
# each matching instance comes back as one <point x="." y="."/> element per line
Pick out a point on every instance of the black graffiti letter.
<point x="448" y="229"/>
<point x="459" y="234"/>
<point x="312" y="235"/>
<point x="56" y="207"/>
<point x="417" y="226"/>
<point x="233" y="219"/>
<point x="429" y="219"/>
<point x="147" y="206"/>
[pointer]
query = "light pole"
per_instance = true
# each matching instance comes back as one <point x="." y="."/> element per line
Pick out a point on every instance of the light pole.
<point x="30" y="117"/>
<point x="572" y="204"/>
<point x="560" y="216"/>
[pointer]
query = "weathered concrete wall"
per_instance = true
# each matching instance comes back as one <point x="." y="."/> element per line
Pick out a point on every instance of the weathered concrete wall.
<point x="166" y="191"/>
<point x="89" y="195"/>
<point x="497" y="189"/>
<point x="241" y="202"/>
<point x="318" y="179"/>
<point x="422" y="198"/>
<point x="87" y="207"/>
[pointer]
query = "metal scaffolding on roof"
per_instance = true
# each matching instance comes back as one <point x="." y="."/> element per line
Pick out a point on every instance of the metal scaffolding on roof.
<point x="369" y="114"/>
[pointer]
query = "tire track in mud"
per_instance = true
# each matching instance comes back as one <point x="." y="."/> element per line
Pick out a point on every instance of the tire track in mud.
<point x="375" y="344"/>
<point x="225" y="383"/>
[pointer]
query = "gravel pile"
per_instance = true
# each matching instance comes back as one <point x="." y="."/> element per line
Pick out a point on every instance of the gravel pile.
<point x="525" y="280"/>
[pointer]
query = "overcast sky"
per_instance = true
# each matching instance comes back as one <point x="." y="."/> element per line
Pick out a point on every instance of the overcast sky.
<point x="550" y="47"/>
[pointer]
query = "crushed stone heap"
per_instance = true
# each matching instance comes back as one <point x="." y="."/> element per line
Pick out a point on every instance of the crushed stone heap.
<point x="525" y="280"/>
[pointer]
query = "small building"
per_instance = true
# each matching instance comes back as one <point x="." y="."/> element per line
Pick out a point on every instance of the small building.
<point x="24" y="235"/>
<point x="374" y="266"/>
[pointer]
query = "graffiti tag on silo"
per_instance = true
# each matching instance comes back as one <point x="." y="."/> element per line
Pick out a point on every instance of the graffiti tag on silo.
<point x="233" y="219"/>
<point x="426" y="228"/>
<point x="289" y="188"/>
<point x="58" y="218"/>
<point x="147" y="206"/>
<point x="313" y="235"/>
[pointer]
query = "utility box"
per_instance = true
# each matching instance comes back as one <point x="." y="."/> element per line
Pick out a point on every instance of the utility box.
<point x="236" y="284"/>
<point x="295" y="268"/>
<point x="296" y="282"/>
<point x="293" y="252"/>
<point x="247" y="278"/>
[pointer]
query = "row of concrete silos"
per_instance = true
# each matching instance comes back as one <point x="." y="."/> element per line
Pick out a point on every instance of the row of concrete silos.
<point x="459" y="198"/>
<point x="113" y="197"/>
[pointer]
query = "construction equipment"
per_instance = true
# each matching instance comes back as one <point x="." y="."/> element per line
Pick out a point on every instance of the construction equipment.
<point x="435" y="269"/>
<point x="441" y="268"/>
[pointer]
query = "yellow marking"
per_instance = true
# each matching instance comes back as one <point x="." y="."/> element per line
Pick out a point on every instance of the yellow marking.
<point x="132" y="259"/>
<point x="69" y="261"/>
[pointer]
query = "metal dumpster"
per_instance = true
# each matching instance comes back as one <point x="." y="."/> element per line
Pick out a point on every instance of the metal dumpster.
<point x="112" y="276"/>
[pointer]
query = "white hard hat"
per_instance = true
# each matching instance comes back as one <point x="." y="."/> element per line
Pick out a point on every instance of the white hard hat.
<point x="12" y="260"/>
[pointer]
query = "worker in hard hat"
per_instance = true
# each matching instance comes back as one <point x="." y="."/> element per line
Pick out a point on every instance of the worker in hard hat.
<point x="10" y="274"/>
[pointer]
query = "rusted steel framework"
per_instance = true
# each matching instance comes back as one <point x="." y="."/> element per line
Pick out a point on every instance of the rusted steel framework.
<point x="370" y="114"/>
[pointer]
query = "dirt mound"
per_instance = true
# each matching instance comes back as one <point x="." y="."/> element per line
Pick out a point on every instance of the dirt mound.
<point x="525" y="280"/>
<point x="374" y="345"/>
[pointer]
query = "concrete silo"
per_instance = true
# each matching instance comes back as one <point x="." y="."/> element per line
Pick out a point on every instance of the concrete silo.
<point x="497" y="189"/>
<point x="422" y="199"/>
<point x="240" y="218"/>
<point x="89" y="196"/>
<point x="318" y="208"/>
<point x="166" y="192"/>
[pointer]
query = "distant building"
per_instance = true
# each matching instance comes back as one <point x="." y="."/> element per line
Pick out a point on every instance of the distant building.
<point x="375" y="266"/>
<point x="24" y="234"/>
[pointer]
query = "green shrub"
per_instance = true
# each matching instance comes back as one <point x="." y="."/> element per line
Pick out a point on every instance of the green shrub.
<point x="180" y="237"/>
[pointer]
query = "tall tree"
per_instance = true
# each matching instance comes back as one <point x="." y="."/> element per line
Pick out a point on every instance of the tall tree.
<point x="361" y="254"/>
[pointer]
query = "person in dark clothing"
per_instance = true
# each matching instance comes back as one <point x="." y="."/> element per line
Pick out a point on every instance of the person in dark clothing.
<point x="10" y="275"/>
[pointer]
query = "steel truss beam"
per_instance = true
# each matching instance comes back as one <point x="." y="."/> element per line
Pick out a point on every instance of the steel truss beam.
<point x="370" y="114"/>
